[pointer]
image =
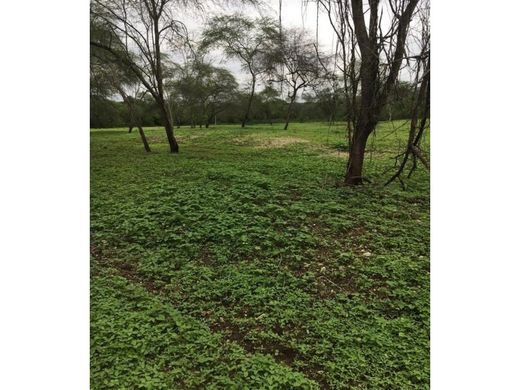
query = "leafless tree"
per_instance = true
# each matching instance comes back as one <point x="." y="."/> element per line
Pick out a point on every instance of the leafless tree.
<point x="249" y="40"/>
<point x="109" y="77"/>
<point x="301" y="66"/>
<point x="346" y="59"/>
<point x="372" y="37"/>
<point x="202" y="89"/>
<point x="421" y="108"/>
<point x="132" y="101"/>
<point x="144" y="28"/>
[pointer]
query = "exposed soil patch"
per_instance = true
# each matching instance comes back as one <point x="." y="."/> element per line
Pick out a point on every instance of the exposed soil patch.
<point x="281" y="353"/>
<point x="182" y="138"/>
<point x="125" y="269"/>
<point x="156" y="139"/>
<point x="334" y="153"/>
<point x="268" y="143"/>
<point x="159" y="139"/>
<point x="280" y="142"/>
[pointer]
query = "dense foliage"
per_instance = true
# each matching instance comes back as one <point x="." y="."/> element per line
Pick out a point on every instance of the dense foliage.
<point x="241" y="264"/>
<point x="320" y="106"/>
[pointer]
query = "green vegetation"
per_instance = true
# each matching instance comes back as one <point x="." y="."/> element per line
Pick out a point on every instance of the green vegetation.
<point x="106" y="113"/>
<point x="241" y="263"/>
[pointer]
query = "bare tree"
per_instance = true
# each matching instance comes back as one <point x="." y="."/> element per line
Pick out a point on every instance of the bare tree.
<point x="421" y="106"/>
<point x="339" y="16"/>
<point x="143" y="29"/>
<point x="301" y="65"/>
<point x="109" y="77"/>
<point x="132" y="104"/>
<point x="267" y="96"/>
<point x="202" y="89"/>
<point x="248" y="40"/>
<point x="378" y="52"/>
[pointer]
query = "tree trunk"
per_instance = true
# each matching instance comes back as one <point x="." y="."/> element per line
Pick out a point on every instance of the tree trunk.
<point x="246" y="116"/>
<point x="168" y="126"/>
<point x="174" y="146"/>
<point x="373" y="91"/>
<point x="412" y="149"/>
<point x="160" y="97"/>
<point x="130" y="128"/>
<point x="143" y="138"/>
<point x="289" y="112"/>
<point x="354" y="172"/>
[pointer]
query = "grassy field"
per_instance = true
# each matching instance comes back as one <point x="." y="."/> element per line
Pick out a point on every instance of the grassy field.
<point x="241" y="264"/>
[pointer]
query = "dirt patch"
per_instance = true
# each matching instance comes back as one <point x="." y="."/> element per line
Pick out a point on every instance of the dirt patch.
<point x="244" y="141"/>
<point x="280" y="142"/>
<point x="161" y="139"/>
<point x="334" y="153"/>
<point x="182" y="138"/>
<point x="281" y="353"/>
<point x="154" y="139"/>
<point x="125" y="269"/>
<point x="268" y="143"/>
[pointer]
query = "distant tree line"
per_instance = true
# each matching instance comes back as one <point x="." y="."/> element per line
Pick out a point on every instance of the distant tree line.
<point x="107" y="112"/>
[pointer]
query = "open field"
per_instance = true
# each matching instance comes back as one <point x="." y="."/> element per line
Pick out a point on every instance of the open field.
<point x="240" y="263"/>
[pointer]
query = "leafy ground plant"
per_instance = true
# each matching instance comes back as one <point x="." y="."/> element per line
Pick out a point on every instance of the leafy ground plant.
<point x="241" y="263"/>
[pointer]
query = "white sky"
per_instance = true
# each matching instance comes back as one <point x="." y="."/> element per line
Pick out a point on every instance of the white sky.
<point x="294" y="14"/>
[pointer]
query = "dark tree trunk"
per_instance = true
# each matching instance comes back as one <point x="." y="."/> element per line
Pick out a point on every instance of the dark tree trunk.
<point x="250" y="101"/>
<point x="412" y="148"/>
<point x="143" y="138"/>
<point x="374" y="91"/>
<point x="289" y="109"/>
<point x="134" y="119"/>
<point x="269" y="115"/>
<point x="212" y="115"/>
<point x="354" y="172"/>
<point x="168" y="126"/>
<point x="174" y="146"/>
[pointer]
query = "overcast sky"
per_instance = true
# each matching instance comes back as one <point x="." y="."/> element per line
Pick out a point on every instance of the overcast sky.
<point x="294" y="14"/>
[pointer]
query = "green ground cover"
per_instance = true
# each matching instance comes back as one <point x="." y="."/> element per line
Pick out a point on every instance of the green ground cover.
<point x="241" y="263"/>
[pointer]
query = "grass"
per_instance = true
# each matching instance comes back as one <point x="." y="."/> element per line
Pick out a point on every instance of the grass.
<point x="240" y="263"/>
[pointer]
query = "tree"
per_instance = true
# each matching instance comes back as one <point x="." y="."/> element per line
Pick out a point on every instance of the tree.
<point x="221" y="87"/>
<point x="247" y="40"/>
<point x="134" y="33"/>
<point x="381" y="53"/>
<point x="184" y="90"/>
<point x="267" y="97"/>
<point x="301" y="65"/>
<point x="202" y="89"/>
<point x="421" y="105"/>
<point x="326" y="98"/>
<point x="109" y="77"/>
